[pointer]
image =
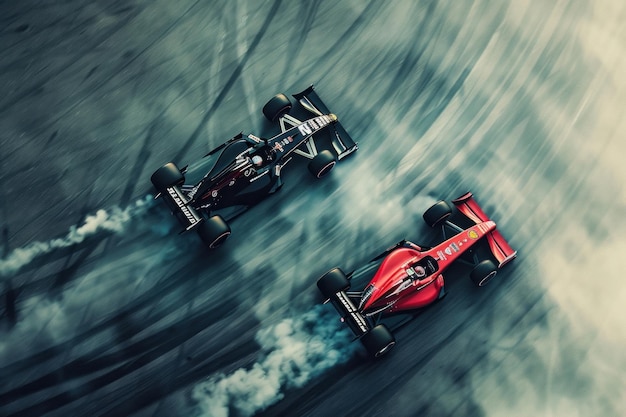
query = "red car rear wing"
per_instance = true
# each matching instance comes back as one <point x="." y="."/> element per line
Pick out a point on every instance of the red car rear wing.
<point x="498" y="245"/>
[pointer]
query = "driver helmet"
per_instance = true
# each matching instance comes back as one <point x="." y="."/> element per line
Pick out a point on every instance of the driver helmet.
<point x="257" y="160"/>
<point x="419" y="271"/>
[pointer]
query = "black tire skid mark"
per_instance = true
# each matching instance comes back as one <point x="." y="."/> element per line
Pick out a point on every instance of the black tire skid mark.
<point x="410" y="61"/>
<point x="86" y="361"/>
<point x="77" y="54"/>
<point x="330" y="57"/>
<point x="181" y="359"/>
<point x="140" y="162"/>
<point x="238" y="347"/>
<point x="53" y="256"/>
<point x="145" y="152"/>
<point x="434" y="104"/>
<point x="159" y="342"/>
<point x="9" y="300"/>
<point x="144" y="352"/>
<point x="37" y="286"/>
<point x="295" y="42"/>
<point x="128" y="403"/>
<point x="147" y="299"/>
<point x="229" y="83"/>
<point x="70" y="268"/>
<point x="105" y="81"/>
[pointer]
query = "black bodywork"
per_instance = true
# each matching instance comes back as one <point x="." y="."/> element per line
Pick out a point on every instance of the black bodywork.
<point x="247" y="168"/>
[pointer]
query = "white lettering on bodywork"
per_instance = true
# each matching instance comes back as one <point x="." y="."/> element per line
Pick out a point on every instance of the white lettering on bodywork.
<point x="182" y="205"/>
<point x="308" y="127"/>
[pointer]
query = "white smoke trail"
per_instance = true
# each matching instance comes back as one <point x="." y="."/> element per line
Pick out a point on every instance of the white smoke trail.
<point x="114" y="220"/>
<point x="295" y="351"/>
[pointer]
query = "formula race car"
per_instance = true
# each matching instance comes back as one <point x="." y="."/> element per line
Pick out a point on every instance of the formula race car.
<point x="247" y="168"/>
<point x="407" y="277"/>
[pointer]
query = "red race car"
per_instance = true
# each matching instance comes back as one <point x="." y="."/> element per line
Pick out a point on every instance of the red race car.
<point x="407" y="276"/>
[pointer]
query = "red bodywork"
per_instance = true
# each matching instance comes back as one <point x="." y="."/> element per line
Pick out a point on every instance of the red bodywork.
<point x="396" y="285"/>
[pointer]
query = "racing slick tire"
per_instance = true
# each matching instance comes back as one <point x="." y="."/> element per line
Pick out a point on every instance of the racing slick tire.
<point x="167" y="176"/>
<point x="437" y="214"/>
<point x="276" y="107"/>
<point x="213" y="231"/>
<point x="378" y="341"/>
<point x="322" y="163"/>
<point x="332" y="282"/>
<point x="483" y="272"/>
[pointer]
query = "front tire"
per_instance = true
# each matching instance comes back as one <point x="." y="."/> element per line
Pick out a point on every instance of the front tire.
<point x="322" y="163"/>
<point x="483" y="273"/>
<point x="214" y="231"/>
<point x="276" y="107"/>
<point x="437" y="214"/>
<point x="167" y="176"/>
<point x="378" y="341"/>
<point x="332" y="282"/>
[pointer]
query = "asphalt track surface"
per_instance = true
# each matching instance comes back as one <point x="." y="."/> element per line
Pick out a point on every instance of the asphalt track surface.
<point x="106" y="310"/>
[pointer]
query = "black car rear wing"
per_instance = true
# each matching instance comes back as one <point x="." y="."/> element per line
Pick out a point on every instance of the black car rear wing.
<point x="343" y="144"/>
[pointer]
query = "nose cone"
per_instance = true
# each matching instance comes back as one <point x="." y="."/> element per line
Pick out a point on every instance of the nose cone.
<point x="333" y="117"/>
<point x="389" y="276"/>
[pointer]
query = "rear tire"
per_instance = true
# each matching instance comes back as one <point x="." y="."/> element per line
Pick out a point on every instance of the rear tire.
<point x="483" y="273"/>
<point x="276" y="107"/>
<point x="437" y="214"/>
<point x="322" y="163"/>
<point x="332" y="282"/>
<point x="214" y="231"/>
<point x="167" y="176"/>
<point x="378" y="341"/>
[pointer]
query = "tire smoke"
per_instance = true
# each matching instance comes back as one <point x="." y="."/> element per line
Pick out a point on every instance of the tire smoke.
<point x="295" y="350"/>
<point x="113" y="220"/>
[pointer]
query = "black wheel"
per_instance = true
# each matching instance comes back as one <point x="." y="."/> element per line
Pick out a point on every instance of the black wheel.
<point x="213" y="231"/>
<point x="437" y="214"/>
<point x="322" y="163"/>
<point x="483" y="273"/>
<point x="378" y="341"/>
<point x="276" y="107"/>
<point x="332" y="282"/>
<point x="167" y="176"/>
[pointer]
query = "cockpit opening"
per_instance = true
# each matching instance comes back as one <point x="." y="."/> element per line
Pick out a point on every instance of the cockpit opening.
<point x="425" y="267"/>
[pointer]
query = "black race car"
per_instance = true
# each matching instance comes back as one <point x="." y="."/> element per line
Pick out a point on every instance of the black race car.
<point x="245" y="169"/>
